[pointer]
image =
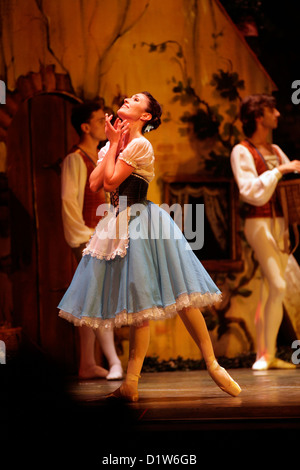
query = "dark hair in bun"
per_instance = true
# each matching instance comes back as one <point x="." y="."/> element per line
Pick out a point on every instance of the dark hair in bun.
<point x="154" y="108"/>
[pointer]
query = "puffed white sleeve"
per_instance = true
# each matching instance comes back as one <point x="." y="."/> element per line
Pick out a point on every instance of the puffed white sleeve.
<point x="102" y="152"/>
<point x="254" y="189"/>
<point x="73" y="180"/>
<point x="138" y="153"/>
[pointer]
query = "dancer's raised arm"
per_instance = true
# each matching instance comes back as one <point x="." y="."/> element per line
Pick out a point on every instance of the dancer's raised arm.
<point x="110" y="172"/>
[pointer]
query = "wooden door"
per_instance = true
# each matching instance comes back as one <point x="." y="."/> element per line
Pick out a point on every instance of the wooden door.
<point x="38" y="139"/>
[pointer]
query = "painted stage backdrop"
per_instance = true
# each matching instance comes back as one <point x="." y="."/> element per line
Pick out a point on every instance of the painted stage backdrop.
<point x="193" y="59"/>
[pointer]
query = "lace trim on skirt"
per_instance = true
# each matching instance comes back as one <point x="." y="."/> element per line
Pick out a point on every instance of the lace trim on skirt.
<point x="155" y="313"/>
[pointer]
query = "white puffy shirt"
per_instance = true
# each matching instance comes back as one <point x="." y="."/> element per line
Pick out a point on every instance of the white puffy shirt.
<point x="138" y="154"/>
<point x="255" y="189"/>
<point x="73" y="181"/>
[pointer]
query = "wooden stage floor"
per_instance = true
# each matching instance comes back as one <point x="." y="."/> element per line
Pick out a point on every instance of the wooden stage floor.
<point x="193" y="397"/>
<point x="178" y="408"/>
<point x="179" y="413"/>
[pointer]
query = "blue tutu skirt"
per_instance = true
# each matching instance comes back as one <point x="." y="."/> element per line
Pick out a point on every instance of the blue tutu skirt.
<point x="156" y="277"/>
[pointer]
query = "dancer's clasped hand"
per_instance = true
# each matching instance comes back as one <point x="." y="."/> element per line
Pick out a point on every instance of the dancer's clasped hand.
<point x="115" y="132"/>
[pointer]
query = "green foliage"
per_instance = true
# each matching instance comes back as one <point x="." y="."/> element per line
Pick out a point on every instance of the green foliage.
<point x="153" y="364"/>
<point x="246" y="360"/>
<point x="205" y="121"/>
<point x="204" y="124"/>
<point x="227" y="84"/>
<point x="185" y="94"/>
<point x="163" y="46"/>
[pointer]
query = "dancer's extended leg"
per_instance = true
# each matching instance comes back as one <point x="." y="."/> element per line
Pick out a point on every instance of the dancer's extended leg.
<point x="138" y="346"/>
<point x="196" y="326"/>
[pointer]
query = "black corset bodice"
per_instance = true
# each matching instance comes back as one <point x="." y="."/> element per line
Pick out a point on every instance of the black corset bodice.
<point x="134" y="188"/>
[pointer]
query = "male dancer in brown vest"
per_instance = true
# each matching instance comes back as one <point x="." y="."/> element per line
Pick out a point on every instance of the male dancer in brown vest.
<point x="79" y="205"/>
<point x="257" y="167"/>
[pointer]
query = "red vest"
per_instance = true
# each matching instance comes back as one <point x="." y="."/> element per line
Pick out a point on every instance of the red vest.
<point x="91" y="199"/>
<point x="272" y="207"/>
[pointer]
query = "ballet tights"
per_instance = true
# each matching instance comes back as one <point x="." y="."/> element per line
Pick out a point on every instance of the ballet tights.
<point x="138" y="346"/>
<point x="139" y="338"/>
<point x="266" y="239"/>
<point x="88" y="367"/>
<point x="196" y="326"/>
<point x="106" y="340"/>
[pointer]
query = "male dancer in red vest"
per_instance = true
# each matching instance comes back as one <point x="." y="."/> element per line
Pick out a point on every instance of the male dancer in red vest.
<point x="257" y="167"/>
<point x="79" y="205"/>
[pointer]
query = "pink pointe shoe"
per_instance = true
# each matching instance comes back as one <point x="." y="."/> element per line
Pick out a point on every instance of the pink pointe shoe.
<point x="223" y="379"/>
<point x="128" y="391"/>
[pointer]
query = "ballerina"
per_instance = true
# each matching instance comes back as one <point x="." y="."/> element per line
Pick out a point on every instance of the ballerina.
<point x="138" y="266"/>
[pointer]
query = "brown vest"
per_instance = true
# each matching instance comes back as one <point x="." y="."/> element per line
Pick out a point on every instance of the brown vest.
<point x="91" y="199"/>
<point x="272" y="207"/>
